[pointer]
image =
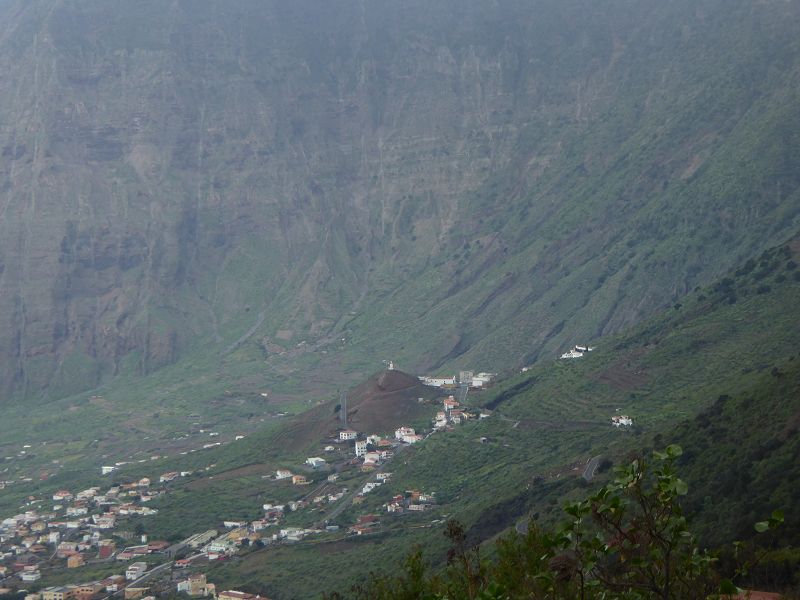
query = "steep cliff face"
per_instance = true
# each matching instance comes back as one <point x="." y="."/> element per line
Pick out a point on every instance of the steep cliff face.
<point x="439" y="178"/>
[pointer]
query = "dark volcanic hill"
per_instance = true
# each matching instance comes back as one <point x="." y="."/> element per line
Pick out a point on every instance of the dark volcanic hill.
<point x="381" y="404"/>
<point x="387" y="401"/>
<point x="442" y="183"/>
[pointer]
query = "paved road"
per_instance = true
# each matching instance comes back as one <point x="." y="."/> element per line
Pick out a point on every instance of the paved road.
<point x="316" y="490"/>
<point x="463" y="390"/>
<point x="591" y="467"/>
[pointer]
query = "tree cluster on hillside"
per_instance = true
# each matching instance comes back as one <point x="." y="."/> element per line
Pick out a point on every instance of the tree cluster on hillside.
<point x="630" y="540"/>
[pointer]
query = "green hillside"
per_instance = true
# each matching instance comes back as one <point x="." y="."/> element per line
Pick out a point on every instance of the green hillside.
<point x="733" y="340"/>
<point x="217" y="217"/>
<point x="258" y="191"/>
<point x="717" y="372"/>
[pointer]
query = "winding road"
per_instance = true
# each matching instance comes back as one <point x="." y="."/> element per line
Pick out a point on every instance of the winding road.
<point x="591" y="467"/>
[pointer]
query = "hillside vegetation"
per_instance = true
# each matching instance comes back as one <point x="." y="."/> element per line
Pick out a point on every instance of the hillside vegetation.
<point x="258" y="190"/>
<point x="716" y="373"/>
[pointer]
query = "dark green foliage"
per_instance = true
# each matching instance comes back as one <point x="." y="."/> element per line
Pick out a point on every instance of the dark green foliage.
<point x="742" y="452"/>
<point x="629" y="540"/>
<point x="717" y="378"/>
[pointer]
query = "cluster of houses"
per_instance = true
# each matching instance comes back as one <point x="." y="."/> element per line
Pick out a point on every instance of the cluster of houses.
<point x="453" y="413"/>
<point x="81" y="591"/>
<point x="246" y="533"/>
<point x="215" y="546"/>
<point x="25" y="556"/>
<point x="195" y="585"/>
<point x="78" y="528"/>
<point x="299" y="479"/>
<point x="411" y="501"/>
<point x="621" y="421"/>
<point x="577" y="352"/>
<point x="365" y="524"/>
<point x="27" y="567"/>
<point x="380" y="479"/>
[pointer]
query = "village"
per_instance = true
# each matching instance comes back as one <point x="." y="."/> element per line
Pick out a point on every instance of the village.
<point x="91" y="527"/>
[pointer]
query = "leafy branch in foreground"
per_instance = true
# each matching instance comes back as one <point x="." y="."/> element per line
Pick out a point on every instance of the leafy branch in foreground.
<point x="630" y="540"/>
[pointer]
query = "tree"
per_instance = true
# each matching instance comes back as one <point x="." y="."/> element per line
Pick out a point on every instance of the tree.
<point x="628" y="541"/>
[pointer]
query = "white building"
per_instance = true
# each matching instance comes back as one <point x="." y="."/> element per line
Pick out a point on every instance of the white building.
<point x="135" y="571"/>
<point x="372" y="458"/>
<point x="167" y="477"/>
<point x="233" y="524"/>
<point x="438" y="381"/>
<point x="402" y="432"/>
<point x="348" y="434"/>
<point x="221" y="545"/>
<point x="621" y="421"/>
<point x="361" y="448"/>
<point x="283" y="474"/>
<point x="292" y="533"/>
<point x="316" y="462"/>
<point x="369" y="486"/>
<point x="577" y="352"/>
<point x="107" y="470"/>
<point x="481" y="379"/>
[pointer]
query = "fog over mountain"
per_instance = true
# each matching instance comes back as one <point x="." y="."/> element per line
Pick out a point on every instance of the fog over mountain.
<point x="433" y="181"/>
<point x="305" y="297"/>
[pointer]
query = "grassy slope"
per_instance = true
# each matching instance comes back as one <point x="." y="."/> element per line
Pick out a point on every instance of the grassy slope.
<point x="637" y="208"/>
<point x="677" y="165"/>
<point x="615" y="160"/>
<point x="742" y="455"/>
<point x="724" y="340"/>
<point x="550" y="420"/>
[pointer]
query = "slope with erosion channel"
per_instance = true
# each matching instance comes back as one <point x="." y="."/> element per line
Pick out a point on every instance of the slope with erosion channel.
<point x="445" y="184"/>
<point x="735" y="338"/>
<point x="384" y="402"/>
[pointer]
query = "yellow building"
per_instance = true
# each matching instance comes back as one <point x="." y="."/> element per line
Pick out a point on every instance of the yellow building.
<point x="134" y="593"/>
<point x="75" y="561"/>
<point x="56" y="593"/>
